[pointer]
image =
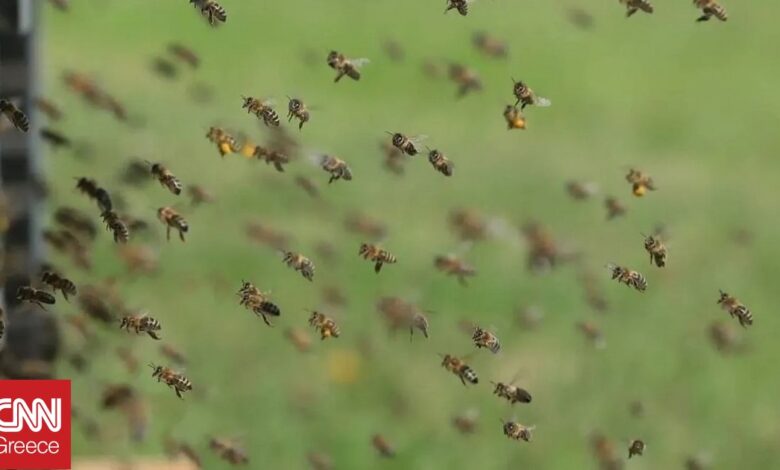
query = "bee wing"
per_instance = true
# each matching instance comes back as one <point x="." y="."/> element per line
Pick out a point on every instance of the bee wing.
<point x="418" y="139"/>
<point x="542" y="102"/>
<point x="317" y="158"/>
<point x="357" y="63"/>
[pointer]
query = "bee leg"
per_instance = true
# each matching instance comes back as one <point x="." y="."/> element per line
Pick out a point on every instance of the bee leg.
<point x="65" y="294"/>
<point x="153" y="335"/>
<point x="300" y="125"/>
<point x="704" y="17"/>
<point x="378" y="267"/>
<point x="630" y="12"/>
<point x="339" y="76"/>
<point x="462" y="380"/>
<point x="181" y="235"/>
<point x="462" y="281"/>
<point x="178" y="394"/>
<point x="411" y="333"/>
<point x="265" y="319"/>
<point x="332" y="179"/>
<point x="279" y="167"/>
<point x="168" y="233"/>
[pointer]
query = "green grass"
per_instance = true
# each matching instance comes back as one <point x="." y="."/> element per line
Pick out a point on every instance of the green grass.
<point x="692" y="104"/>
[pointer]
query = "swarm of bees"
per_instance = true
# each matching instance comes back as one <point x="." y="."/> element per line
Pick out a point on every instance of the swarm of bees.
<point x="324" y="324"/>
<point x="175" y="380"/>
<point x="736" y="309"/>
<point x="376" y="255"/>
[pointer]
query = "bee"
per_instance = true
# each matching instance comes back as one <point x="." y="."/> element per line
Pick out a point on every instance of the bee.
<point x="580" y="18"/>
<point x="406" y="144"/>
<point x="61" y="5"/>
<point x="514" y="118"/>
<point x="300" y="263"/>
<point x="92" y="302"/>
<point x="440" y="163"/>
<point x="176" y="448"/>
<point x="637" y="447"/>
<point x="628" y="277"/>
<point x="581" y="191"/>
<point x="460" y="368"/>
<point x="308" y="186"/>
<point x="229" y="451"/>
<point x="394" y="50"/>
<point x="164" y="67"/>
<point x="710" y="8"/>
<point x="184" y="54"/>
<point x="382" y="446"/>
<point x="90" y="187"/>
<point x="614" y="208"/>
<point x="702" y="461"/>
<point x="344" y="66"/>
<point x="324" y="324"/>
<point x="127" y="400"/>
<point x="526" y="96"/>
<point x="724" y="337"/>
<point x="337" y="168"/>
<point x="393" y="158"/>
<point x="273" y="157"/>
<point x="543" y="250"/>
<point x="127" y="357"/>
<point x="212" y="10"/>
<point x="35" y="296"/>
<point x="462" y="6"/>
<point x="736" y="309"/>
<point x="512" y="393"/>
<point x="261" y="109"/>
<point x="173" y="354"/>
<point x="199" y="195"/>
<point x="166" y="178"/>
<point x="486" y="339"/>
<point x="226" y="143"/>
<point x="117" y="226"/>
<point x="172" y="219"/>
<point x="142" y="323"/>
<point x="57" y="282"/>
<point x="15" y="115"/>
<point x="319" y="461"/>
<point x="365" y="225"/>
<point x="48" y="108"/>
<point x="299" y="338"/>
<point x="172" y="379"/>
<point x="640" y="182"/>
<point x="376" y="255"/>
<point x="467" y="79"/>
<point x="297" y="109"/>
<point x="253" y="299"/>
<point x="266" y="235"/>
<point x="636" y="408"/>
<point x="593" y="334"/>
<point x="75" y="220"/>
<point x="517" y="431"/>
<point x="656" y="249"/>
<point x="489" y="45"/>
<point x="454" y="266"/>
<point x="468" y="224"/>
<point x="605" y="452"/>
<point x="466" y="422"/>
<point x="529" y="317"/>
<point x="632" y="6"/>
<point x="417" y="320"/>
<point x="54" y="138"/>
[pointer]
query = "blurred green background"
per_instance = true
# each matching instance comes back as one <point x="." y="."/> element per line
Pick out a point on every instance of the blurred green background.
<point x="694" y="105"/>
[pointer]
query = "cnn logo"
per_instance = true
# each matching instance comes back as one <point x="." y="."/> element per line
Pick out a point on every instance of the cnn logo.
<point x="34" y="430"/>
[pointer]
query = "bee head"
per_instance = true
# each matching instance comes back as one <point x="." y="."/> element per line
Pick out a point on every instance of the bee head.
<point x="295" y="104"/>
<point x="398" y="139"/>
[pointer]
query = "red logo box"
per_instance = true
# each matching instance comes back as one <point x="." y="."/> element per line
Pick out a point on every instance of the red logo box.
<point x="35" y="424"/>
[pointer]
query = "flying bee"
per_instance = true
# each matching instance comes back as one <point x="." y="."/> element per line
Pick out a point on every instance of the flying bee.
<point x="142" y="323"/>
<point x="51" y="110"/>
<point x="57" y="282"/>
<point x="517" y="431"/>
<point x="365" y="225"/>
<point x="736" y="309"/>
<point x="440" y="162"/>
<point x="324" y="324"/>
<point x="90" y="187"/>
<point x="117" y="226"/>
<point x="262" y="109"/>
<point x="640" y="182"/>
<point x="15" y="115"/>
<point x="461" y="6"/>
<point x="382" y="446"/>
<point x="212" y="10"/>
<point x="308" y="186"/>
<point x="258" y="302"/>
<point x="199" y="195"/>
<point x="393" y="158"/>
<point x="725" y="338"/>
<point x="54" y="138"/>
<point x="166" y="178"/>
<point x="593" y="333"/>
<point x="512" y="393"/>
<point x="344" y="66"/>
<point x="466" y="422"/>
<point x="486" y="339"/>
<point x="376" y="255"/>
<point x="709" y="9"/>
<point x="299" y="338"/>
<point x="61" y="5"/>
<point x="581" y="191"/>
<point x="185" y="54"/>
<point x="172" y="219"/>
<point x="407" y="145"/>
<point x="175" y="380"/>
<point x="514" y="118"/>
<point x="226" y="143"/>
<point x="417" y="320"/>
<point x="129" y="359"/>
<point x="319" y="461"/>
<point x="489" y="45"/>
<point x="469" y="224"/>
<point x="75" y="220"/>
<point x="337" y="168"/>
<point x="632" y="6"/>
<point x="175" y="448"/>
<point x="526" y="96"/>
<point x="467" y="79"/>
<point x="164" y="68"/>
<point x="460" y="368"/>
<point x="229" y="451"/>
<point x="614" y="208"/>
<point x="297" y="109"/>
<point x="35" y="296"/>
<point x="637" y="447"/>
<point x="300" y="263"/>
<point x="605" y="452"/>
<point x="454" y="266"/>
<point x="628" y="277"/>
<point x="656" y="249"/>
<point x="271" y="157"/>
<point x="173" y="354"/>
<point x="267" y="235"/>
